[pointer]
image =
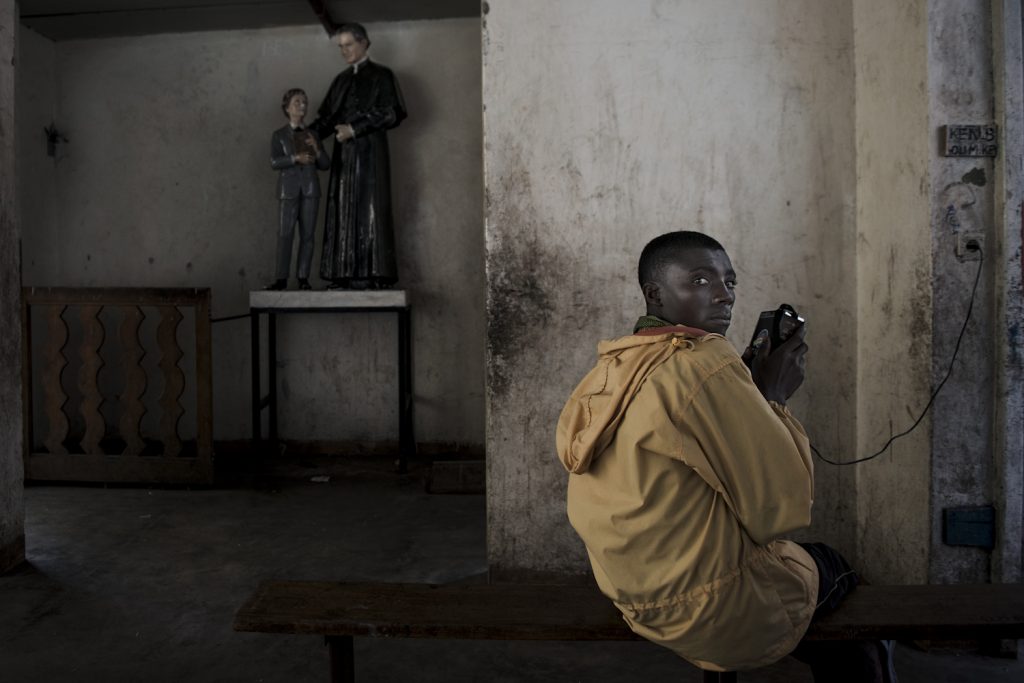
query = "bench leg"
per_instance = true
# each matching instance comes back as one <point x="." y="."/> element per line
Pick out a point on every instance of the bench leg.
<point x="343" y="662"/>
<point x="719" y="677"/>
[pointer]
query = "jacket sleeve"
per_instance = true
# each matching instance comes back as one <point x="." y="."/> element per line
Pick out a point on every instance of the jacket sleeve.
<point x="323" y="125"/>
<point x="387" y="111"/>
<point x="279" y="158"/>
<point x="753" y="452"/>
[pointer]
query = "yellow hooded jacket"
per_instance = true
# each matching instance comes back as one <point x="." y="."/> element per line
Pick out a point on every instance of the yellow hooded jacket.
<point x="682" y="478"/>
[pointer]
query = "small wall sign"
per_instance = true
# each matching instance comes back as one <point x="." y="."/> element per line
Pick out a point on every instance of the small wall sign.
<point x="960" y="140"/>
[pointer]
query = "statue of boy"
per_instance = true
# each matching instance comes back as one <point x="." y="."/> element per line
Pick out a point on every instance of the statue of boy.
<point x="297" y="153"/>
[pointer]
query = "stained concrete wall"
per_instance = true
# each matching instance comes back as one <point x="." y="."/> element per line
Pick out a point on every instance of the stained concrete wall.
<point x="920" y="66"/>
<point x="962" y="200"/>
<point x="12" y="507"/>
<point x="166" y="181"/>
<point x="1008" y="280"/>
<point x="894" y="270"/>
<point x="608" y="123"/>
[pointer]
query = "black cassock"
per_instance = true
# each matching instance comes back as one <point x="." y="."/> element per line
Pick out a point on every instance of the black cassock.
<point x="359" y="237"/>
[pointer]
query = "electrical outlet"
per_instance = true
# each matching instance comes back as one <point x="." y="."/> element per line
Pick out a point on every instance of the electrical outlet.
<point x="969" y="245"/>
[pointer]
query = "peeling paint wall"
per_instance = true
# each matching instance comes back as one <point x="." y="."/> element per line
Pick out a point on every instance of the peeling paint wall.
<point x="166" y="181"/>
<point x="960" y="91"/>
<point x="12" y="506"/>
<point x="608" y="123"/>
<point x="894" y="286"/>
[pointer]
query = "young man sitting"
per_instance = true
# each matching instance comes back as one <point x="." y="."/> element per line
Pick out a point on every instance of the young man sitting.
<point x="686" y="468"/>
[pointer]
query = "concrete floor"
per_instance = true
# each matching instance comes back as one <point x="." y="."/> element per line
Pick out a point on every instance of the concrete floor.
<point x="141" y="585"/>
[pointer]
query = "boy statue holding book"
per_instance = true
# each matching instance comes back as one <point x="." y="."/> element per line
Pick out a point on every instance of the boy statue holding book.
<point x="297" y="154"/>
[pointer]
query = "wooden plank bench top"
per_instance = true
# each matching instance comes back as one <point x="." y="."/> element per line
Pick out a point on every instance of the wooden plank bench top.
<point x="402" y="610"/>
<point x="341" y="611"/>
<point x="933" y="612"/>
<point x="567" y="612"/>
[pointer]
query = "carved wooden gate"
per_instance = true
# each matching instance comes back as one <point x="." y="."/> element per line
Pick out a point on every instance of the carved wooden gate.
<point x="121" y="420"/>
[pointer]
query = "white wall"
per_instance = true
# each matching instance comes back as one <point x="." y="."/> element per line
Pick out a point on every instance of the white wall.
<point x="166" y="181"/>
<point x="608" y="123"/>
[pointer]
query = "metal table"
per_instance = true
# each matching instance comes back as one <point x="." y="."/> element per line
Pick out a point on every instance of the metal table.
<point x="340" y="301"/>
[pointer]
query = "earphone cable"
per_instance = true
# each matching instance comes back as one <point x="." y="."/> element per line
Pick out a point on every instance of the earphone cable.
<point x="931" y="401"/>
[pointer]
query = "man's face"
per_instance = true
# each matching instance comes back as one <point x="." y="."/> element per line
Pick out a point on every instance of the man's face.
<point x="352" y="50"/>
<point x="297" y="107"/>
<point x="697" y="290"/>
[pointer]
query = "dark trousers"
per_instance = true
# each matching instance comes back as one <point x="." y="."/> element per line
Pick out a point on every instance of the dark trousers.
<point x="858" y="661"/>
<point x="301" y="209"/>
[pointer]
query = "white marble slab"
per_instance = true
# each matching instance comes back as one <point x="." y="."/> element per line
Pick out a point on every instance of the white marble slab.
<point x="339" y="298"/>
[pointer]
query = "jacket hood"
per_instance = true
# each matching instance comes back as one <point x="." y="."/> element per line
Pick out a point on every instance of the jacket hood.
<point x="589" y="420"/>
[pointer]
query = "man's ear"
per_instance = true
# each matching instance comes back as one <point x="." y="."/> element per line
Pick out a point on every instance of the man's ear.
<point x="652" y="293"/>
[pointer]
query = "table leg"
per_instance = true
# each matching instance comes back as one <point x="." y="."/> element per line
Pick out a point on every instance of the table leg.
<point x="343" y="662"/>
<point x="406" y="442"/>
<point x="272" y="377"/>
<point x="720" y="677"/>
<point x="257" y="429"/>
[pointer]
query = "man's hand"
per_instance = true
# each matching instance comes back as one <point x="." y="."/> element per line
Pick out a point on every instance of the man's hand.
<point x="778" y="375"/>
<point x="303" y="158"/>
<point x="343" y="132"/>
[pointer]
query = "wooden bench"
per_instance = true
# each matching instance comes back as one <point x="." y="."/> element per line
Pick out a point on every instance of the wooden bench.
<point x="341" y="611"/>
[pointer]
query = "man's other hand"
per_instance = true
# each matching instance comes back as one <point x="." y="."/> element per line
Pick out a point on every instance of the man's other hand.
<point x="778" y="375"/>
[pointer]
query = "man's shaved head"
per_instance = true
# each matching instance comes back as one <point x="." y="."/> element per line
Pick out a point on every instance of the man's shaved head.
<point x="665" y="249"/>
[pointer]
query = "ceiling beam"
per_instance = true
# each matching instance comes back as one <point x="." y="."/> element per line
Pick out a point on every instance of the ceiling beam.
<point x="324" y="15"/>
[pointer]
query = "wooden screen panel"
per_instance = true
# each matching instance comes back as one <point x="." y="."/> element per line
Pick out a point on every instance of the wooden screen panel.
<point x="54" y="395"/>
<point x="143" y="457"/>
<point x="134" y="380"/>
<point x="88" y="378"/>
<point x="174" y="379"/>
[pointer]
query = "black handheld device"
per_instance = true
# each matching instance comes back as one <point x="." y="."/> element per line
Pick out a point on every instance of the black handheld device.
<point x="780" y="323"/>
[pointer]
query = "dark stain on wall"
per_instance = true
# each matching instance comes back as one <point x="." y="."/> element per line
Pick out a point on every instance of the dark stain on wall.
<point x="519" y="304"/>
<point x="523" y="272"/>
<point x="976" y="176"/>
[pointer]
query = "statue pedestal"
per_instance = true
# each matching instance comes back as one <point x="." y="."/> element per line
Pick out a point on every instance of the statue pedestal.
<point x="328" y="300"/>
<point x="273" y="304"/>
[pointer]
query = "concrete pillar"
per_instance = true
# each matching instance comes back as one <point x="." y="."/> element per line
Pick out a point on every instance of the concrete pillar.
<point x="12" y="510"/>
<point x="920" y="66"/>
<point x="1008" y="337"/>
<point x="894" y="299"/>
<point x="960" y="90"/>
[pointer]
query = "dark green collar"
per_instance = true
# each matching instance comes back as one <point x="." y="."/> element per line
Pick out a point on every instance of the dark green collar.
<point x="648" y="321"/>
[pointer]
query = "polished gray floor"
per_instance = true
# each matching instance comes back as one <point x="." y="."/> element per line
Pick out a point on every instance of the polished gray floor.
<point x="141" y="585"/>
